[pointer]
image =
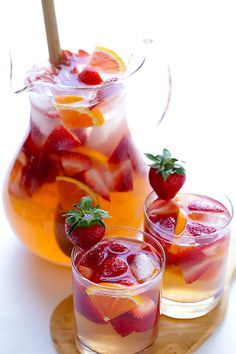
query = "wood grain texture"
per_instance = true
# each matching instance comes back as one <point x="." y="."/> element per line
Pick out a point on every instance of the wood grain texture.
<point x="175" y="336"/>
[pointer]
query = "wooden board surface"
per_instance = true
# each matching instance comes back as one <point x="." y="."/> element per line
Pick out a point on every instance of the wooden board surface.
<point x="175" y="336"/>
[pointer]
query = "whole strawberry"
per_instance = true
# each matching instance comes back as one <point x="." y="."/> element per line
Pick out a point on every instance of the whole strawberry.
<point x="83" y="225"/>
<point x="166" y="175"/>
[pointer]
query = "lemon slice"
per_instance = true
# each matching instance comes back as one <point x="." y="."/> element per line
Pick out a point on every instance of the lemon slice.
<point x="111" y="306"/>
<point x="71" y="191"/>
<point x="107" y="61"/>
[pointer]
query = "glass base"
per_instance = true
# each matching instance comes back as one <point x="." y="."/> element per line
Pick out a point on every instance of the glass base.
<point x="83" y="349"/>
<point x="187" y="310"/>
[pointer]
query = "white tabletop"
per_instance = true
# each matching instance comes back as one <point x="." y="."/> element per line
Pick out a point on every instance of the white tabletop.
<point x="198" y="39"/>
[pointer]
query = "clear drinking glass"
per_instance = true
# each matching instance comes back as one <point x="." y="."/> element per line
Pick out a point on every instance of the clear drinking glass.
<point x="196" y="258"/>
<point x="119" y="332"/>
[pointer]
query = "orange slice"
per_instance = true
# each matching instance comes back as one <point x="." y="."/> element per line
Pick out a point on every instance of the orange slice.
<point x="93" y="154"/>
<point x="107" y="61"/>
<point x="180" y="222"/>
<point x="71" y="191"/>
<point x="74" y="116"/>
<point x="109" y="306"/>
<point x="68" y="99"/>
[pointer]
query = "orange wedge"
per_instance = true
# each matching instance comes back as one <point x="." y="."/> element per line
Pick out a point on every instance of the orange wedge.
<point x="109" y="306"/>
<point x="93" y="154"/>
<point x="71" y="191"/>
<point x="74" y="116"/>
<point x="68" y="99"/>
<point x="180" y="222"/>
<point x="107" y="61"/>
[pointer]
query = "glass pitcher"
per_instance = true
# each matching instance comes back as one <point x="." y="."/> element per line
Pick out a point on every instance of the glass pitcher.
<point x="66" y="156"/>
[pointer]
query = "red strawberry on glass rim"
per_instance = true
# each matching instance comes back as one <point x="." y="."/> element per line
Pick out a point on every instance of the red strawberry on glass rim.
<point x="166" y="175"/>
<point x="83" y="225"/>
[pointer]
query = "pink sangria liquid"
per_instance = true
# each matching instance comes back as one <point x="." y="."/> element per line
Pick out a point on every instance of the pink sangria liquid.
<point x="117" y="296"/>
<point x="194" y="232"/>
<point x="78" y="144"/>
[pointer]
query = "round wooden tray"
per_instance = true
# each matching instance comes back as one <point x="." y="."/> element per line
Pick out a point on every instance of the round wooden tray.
<point x="175" y="336"/>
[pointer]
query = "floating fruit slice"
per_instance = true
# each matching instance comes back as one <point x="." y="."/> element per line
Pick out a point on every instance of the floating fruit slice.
<point x="108" y="306"/>
<point x="107" y="61"/>
<point x="180" y="222"/>
<point x="194" y="272"/>
<point x="71" y="190"/>
<point x="161" y="209"/>
<point x="94" y="180"/>
<point x="93" y="154"/>
<point x="74" y="117"/>
<point x="68" y="99"/>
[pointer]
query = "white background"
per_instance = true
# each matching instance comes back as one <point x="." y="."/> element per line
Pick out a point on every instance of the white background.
<point x="198" y="39"/>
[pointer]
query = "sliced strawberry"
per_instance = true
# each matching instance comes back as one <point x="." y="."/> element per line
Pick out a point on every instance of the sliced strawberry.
<point x="85" y="272"/>
<point x="146" y="315"/>
<point x="90" y="76"/>
<point x="124" y="324"/>
<point x="38" y="170"/>
<point x="94" y="257"/>
<point x="162" y="209"/>
<point x="142" y="319"/>
<point x="94" y="180"/>
<point x="84" y="306"/>
<point x="118" y="248"/>
<point x="83" y="53"/>
<point x="122" y="151"/>
<point x="81" y="134"/>
<point x="192" y="273"/>
<point x="206" y="205"/>
<point x="167" y="224"/>
<point x="74" y="162"/>
<point x="113" y="266"/>
<point x="122" y="178"/>
<point x="32" y="143"/>
<point x="199" y="230"/>
<point x="184" y="255"/>
<point x="60" y="139"/>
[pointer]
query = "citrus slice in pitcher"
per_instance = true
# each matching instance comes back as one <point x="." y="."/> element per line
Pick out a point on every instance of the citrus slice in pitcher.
<point x="71" y="191"/>
<point x="107" y="61"/>
<point x="74" y="116"/>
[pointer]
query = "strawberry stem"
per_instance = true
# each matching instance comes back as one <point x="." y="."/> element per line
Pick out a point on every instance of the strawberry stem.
<point x="84" y="214"/>
<point x="165" y="164"/>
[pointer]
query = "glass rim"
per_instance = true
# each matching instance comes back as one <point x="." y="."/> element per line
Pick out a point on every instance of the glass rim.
<point x="183" y="237"/>
<point x="129" y="289"/>
<point x="58" y="86"/>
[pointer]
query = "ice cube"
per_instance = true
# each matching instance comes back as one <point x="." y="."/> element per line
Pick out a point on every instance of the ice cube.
<point x="143" y="267"/>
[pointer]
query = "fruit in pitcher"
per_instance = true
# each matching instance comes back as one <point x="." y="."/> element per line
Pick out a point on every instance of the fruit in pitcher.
<point x="60" y="139"/>
<point x="166" y="176"/>
<point x="76" y="116"/>
<point x="106" y="61"/>
<point x="84" y="226"/>
<point x="71" y="190"/>
<point x="90" y="76"/>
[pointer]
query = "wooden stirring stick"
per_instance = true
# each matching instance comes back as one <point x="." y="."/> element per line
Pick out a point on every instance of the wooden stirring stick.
<point x="51" y="31"/>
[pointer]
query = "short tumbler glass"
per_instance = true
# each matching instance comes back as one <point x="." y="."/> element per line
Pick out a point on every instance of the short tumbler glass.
<point x="194" y="275"/>
<point x="121" y="334"/>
